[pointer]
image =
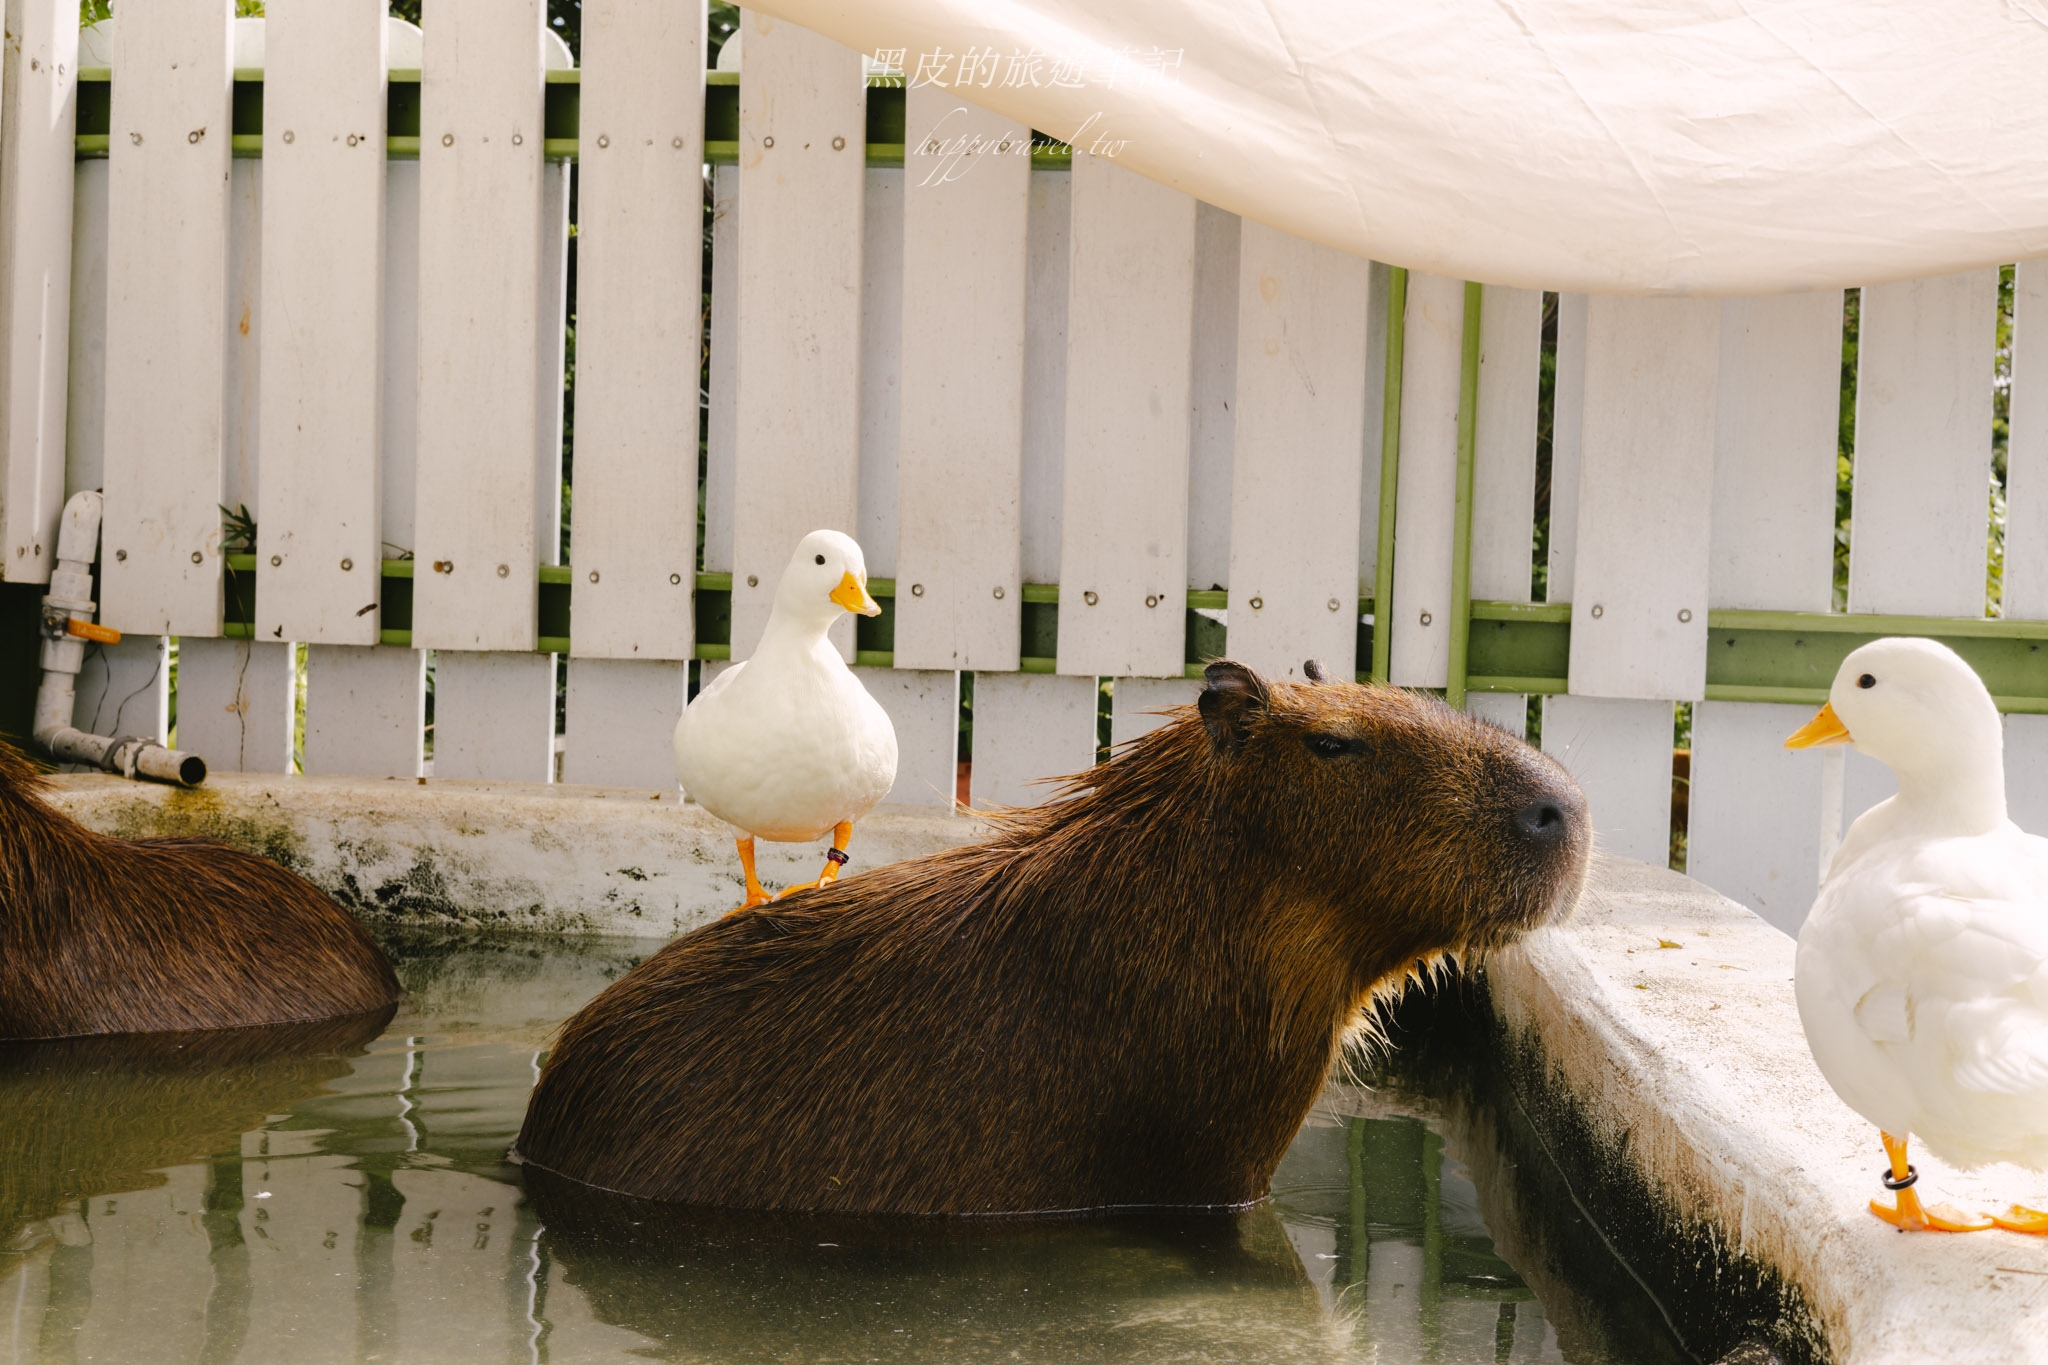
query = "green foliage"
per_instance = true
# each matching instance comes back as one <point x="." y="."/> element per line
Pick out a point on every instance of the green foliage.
<point x="237" y="531"/>
<point x="1845" y="443"/>
<point x="1546" y="413"/>
<point x="2001" y="412"/>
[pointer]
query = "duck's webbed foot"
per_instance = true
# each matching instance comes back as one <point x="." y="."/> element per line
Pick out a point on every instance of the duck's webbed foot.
<point x="1907" y="1213"/>
<point x="2020" y="1218"/>
<point x="834" y="860"/>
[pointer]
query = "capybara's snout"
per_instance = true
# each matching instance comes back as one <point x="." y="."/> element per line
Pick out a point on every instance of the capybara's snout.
<point x="1542" y="830"/>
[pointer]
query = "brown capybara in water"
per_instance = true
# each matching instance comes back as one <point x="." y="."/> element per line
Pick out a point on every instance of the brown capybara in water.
<point x="103" y="935"/>
<point x="1128" y="997"/>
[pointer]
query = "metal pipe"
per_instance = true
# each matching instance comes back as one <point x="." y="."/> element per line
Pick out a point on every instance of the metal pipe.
<point x="67" y="626"/>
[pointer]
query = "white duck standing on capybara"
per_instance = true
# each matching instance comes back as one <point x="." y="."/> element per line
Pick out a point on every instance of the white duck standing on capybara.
<point x="1922" y="971"/>
<point x="788" y="746"/>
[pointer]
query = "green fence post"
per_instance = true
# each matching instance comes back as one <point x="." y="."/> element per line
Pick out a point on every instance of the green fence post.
<point x="1390" y="474"/>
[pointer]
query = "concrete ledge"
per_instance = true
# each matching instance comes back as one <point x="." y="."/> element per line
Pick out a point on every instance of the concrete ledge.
<point x="531" y="856"/>
<point x="1675" y="1088"/>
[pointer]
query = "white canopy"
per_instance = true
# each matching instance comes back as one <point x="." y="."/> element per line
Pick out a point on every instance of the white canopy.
<point x="1680" y="146"/>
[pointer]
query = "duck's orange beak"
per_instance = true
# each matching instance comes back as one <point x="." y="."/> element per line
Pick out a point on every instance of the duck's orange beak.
<point x="852" y="594"/>
<point x="1824" y="729"/>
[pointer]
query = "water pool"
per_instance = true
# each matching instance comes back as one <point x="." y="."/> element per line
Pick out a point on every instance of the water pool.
<point x="341" y="1194"/>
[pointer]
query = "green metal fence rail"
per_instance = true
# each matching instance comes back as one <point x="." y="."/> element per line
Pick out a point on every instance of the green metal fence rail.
<point x="1525" y="647"/>
<point x="561" y="122"/>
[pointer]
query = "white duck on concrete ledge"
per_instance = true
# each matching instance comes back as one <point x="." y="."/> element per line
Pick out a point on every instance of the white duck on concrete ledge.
<point x="788" y="746"/>
<point x="1922" y="972"/>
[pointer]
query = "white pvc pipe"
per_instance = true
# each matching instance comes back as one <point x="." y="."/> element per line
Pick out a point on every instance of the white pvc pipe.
<point x="63" y="654"/>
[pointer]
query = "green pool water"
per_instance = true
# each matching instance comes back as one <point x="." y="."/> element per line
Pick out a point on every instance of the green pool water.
<point x="342" y="1194"/>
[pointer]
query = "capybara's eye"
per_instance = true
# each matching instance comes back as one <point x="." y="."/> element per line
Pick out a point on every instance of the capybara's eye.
<point x="1331" y="746"/>
<point x="1866" y="681"/>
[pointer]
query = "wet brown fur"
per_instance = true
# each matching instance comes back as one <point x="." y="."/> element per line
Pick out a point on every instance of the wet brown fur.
<point x="1127" y="997"/>
<point x="103" y="935"/>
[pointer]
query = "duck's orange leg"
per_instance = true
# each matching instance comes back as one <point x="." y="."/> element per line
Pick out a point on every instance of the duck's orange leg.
<point x="756" y="895"/>
<point x="842" y="834"/>
<point x="1907" y="1214"/>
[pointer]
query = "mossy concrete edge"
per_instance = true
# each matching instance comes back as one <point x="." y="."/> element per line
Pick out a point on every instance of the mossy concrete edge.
<point x="514" y="855"/>
<point x="1655" y="1046"/>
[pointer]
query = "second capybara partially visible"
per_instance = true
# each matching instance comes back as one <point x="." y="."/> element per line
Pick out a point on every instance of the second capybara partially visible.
<point x="1128" y="997"/>
<point x="105" y="935"/>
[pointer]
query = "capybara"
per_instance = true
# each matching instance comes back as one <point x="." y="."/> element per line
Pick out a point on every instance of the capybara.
<point x="104" y="935"/>
<point x="1127" y="997"/>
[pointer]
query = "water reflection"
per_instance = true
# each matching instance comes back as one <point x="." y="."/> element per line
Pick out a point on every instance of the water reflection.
<point x="340" y="1194"/>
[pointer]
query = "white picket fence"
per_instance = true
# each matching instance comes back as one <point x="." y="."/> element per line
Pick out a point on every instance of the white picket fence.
<point x="994" y="371"/>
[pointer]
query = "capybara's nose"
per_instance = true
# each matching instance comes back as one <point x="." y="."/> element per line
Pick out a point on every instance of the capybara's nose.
<point x="1542" y="822"/>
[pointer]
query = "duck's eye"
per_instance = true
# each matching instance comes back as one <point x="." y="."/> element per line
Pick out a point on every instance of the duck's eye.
<point x="821" y="559"/>
<point x="1866" y="681"/>
<point x="1332" y="746"/>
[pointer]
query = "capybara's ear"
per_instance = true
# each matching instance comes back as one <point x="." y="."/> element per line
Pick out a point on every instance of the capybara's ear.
<point x="1233" y="699"/>
<point x="1312" y="670"/>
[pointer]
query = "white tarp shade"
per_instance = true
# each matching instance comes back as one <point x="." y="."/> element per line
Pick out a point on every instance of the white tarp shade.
<point x="1691" y="146"/>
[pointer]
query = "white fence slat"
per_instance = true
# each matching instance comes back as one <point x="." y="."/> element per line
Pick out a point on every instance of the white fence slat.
<point x="881" y="366"/>
<point x="1620" y="752"/>
<point x="1136" y="704"/>
<point x="494" y="716"/>
<point x="1420" y="613"/>
<point x="1756" y="825"/>
<point x="1923" y="445"/>
<point x="639" y="330"/>
<point x="401" y="368"/>
<point x="1213" y="394"/>
<point x="1753" y="828"/>
<point x="1773" y="541"/>
<point x="319" y="499"/>
<point x="1028" y="727"/>
<point x="235" y="703"/>
<point x="37" y="155"/>
<point x="1301" y="311"/>
<point x="1124" y="509"/>
<point x="1646" y="468"/>
<point x="551" y="325"/>
<point x="721" y="418"/>
<point x="2026" y="452"/>
<point x="966" y="209"/>
<point x="167" y="240"/>
<point x="125" y="689"/>
<point x="1568" y="409"/>
<point x="2026" y="772"/>
<point x="85" y="411"/>
<point x="366" y="710"/>
<point x="1504" y="442"/>
<point x="1508" y="710"/>
<point x="479" y="315"/>
<point x="1380" y="284"/>
<point x="1045" y="374"/>
<point x="621" y="713"/>
<point x="797" y="446"/>
<point x="924" y="706"/>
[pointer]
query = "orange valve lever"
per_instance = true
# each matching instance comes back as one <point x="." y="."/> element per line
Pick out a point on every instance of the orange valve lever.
<point x="86" y="630"/>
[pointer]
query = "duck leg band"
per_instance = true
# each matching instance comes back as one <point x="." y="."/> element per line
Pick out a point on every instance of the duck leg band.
<point x="1912" y="1177"/>
<point x="835" y="855"/>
